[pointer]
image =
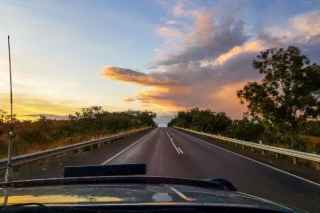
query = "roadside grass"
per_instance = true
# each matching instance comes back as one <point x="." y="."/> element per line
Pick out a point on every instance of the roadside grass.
<point x="312" y="139"/>
<point x="23" y="147"/>
<point x="312" y="143"/>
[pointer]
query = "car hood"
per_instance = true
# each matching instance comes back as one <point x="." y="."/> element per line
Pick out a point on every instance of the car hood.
<point x="146" y="194"/>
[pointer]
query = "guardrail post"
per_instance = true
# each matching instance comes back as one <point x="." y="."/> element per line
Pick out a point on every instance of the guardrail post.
<point x="294" y="160"/>
<point x="86" y="149"/>
<point x="317" y="166"/>
<point x="94" y="146"/>
<point x="43" y="168"/>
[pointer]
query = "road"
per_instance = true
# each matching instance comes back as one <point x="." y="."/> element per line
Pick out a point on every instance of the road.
<point x="170" y="152"/>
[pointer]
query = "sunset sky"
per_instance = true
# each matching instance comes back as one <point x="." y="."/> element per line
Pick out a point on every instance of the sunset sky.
<point x="159" y="55"/>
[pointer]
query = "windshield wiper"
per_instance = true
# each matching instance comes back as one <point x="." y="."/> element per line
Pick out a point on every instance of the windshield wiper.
<point x="20" y="206"/>
<point x="25" y="204"/>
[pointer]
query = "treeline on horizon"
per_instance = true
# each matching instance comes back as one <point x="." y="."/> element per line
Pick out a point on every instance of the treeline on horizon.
<point x="283" y="107"/>
<point x="248" y="129"/>
<point x="31" y="136"/>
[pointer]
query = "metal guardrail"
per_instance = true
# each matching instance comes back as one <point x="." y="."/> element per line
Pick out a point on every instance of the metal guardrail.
<point x="26" y="158"/>
<point x="282" y="151"/>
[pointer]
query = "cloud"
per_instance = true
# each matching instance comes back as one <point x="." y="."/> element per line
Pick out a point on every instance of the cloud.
<point x="299" y="29"/>
<point x="129" y="99"/>
<point x="197" y="85"/>
<point x="302" y="31"/>
<point x="206" y="64"/>
<point x="248" y="47"/>
<point x="171" y="22"/>
<point x="307" y="25"/>
<point x="207" y="38"/>
<point x="169" y="32"/>
<point x="127" y="75"/>
<point x="179" y="9"/>
<point x="227" y="99"/>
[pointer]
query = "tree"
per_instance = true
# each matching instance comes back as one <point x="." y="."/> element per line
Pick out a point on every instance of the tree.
<point x="3" y="116"/>
<point x="289" y="91"/>
<point x="202" y="120"/>
<point x="246" y="129"/>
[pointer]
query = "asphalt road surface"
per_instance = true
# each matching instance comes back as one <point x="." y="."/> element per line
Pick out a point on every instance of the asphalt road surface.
<point x="170" y="152"/>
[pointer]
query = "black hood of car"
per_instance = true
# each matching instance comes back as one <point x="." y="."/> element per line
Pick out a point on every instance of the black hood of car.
<point x="130" y="191"/>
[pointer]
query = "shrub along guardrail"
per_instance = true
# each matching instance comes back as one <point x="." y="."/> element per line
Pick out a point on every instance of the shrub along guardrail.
<point x="28" y="158"/>
<point x="314" y="158"/>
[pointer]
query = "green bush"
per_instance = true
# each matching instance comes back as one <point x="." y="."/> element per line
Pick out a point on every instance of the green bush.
<point x="311" y="128"/>
<point x="246" y="129"/>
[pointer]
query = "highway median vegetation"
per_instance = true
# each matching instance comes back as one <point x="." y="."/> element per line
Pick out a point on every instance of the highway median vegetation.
<point x="92" y="122"/>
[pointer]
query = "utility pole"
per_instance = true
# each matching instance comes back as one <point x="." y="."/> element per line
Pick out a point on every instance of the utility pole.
<point x="11" y="135"/>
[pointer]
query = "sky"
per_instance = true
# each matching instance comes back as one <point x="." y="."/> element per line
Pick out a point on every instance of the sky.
<point x="159" y="55"/>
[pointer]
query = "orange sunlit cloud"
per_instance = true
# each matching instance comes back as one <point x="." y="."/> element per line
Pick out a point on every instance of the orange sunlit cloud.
<point x="127" y="75"/>
<point x="166" y="97"/>
<point x="248" y="47"/>
<point x="157" y="98"/>
<point x="228" y="100"/>
<point x="173" y="99"/>
<point x="151" y="99"/>
<point x="129" y="99"/>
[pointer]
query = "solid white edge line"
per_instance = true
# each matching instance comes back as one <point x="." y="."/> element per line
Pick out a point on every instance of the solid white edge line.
<point x="122" y="151"/>
<point x="261" y="163"/>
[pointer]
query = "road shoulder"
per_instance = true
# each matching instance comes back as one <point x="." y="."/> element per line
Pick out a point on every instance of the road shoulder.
<point x="302" y="170"/>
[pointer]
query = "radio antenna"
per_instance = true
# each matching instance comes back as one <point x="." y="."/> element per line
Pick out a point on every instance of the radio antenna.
<point x="11" y="135"/>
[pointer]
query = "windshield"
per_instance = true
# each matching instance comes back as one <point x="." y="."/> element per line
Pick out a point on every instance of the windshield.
<point x="219" y="89"/>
